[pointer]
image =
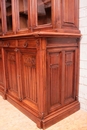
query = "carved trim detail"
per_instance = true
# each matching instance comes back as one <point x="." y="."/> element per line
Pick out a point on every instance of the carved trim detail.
<point x="30" y="61"/>
<point x="11" y="57"/>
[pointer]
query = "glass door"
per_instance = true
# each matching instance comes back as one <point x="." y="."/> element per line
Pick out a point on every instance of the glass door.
<point x="8" y="5"/>
<point x="0" y="18"/>
<point x="44" y="11"/>
<point x="22" y="14"/>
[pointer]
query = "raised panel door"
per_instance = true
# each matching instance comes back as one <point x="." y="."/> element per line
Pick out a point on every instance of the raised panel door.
<point x="69" y="13"/>
<point x="54" y="80"/>
<point x="11" y="71"/>
<point x="29" y="90"/>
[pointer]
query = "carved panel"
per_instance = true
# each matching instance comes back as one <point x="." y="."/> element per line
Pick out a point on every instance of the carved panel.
<point x="69" y="76"/>
<point x="1" y="69"/>
<point x="54" y="80"/>
<point x="28" y="62"/>
<point x="12" y="72"/>
<point x="69" y="12"/>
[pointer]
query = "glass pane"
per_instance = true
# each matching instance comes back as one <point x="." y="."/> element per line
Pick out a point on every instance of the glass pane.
<point x="9" y="14"/>
<point x="44" y="11"/>
<point x="23" y="14"/>
<point x="0" y="20"/>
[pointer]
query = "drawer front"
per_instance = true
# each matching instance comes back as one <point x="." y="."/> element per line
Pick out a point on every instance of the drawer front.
<point x="27" y="43"/>
<point x="9" y="43"/>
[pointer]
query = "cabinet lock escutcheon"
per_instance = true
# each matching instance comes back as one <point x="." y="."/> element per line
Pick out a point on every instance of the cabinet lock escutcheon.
<point x="16" y="49"/>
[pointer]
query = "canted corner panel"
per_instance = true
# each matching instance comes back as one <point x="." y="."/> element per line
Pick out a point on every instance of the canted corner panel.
<point x="1" y="70"/>
<point x="29" y="77"/>
<point x="68" y="13"/>
<point x="12" y="72"/>
<point x="54" y="81"/>
<point x="69" y="76"/>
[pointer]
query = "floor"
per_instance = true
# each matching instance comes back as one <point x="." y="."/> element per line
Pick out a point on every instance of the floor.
<point x="12" y="119"/>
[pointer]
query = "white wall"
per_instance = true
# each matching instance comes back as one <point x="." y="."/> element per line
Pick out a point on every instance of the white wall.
<point x="83" y="55"/>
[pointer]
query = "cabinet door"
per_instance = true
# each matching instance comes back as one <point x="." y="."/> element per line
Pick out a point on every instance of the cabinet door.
<point x="28" y="70"/>
<point x="1" y="71"/>
<point x="70" y="13"/>
<point x="54" y="79"/>
<point x="8" y="9"/>
<point x="22" y="14"/>
<point x="11" y="70"/>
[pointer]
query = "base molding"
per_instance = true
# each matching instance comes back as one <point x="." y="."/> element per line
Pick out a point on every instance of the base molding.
<point x="60" y="114"/>
<point x="49" y="120"/>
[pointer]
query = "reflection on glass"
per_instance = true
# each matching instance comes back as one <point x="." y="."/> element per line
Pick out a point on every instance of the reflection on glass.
<point x="44" y="11"/>
<point x="9" y="14"/>
<point x="0" y="21"/>
<point x="23" y="14"/>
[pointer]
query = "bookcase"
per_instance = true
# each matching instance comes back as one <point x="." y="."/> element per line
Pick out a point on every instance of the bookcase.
<point x="39" y="58"/>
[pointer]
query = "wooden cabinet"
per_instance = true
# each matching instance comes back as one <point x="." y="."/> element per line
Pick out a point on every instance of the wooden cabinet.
<point x="39" y="57"/>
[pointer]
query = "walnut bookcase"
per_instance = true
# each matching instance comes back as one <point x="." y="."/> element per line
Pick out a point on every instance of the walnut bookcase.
<point x="39" y="57"/>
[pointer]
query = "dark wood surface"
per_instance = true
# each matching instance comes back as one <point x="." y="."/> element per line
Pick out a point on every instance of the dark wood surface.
<point x="39" y="63"/>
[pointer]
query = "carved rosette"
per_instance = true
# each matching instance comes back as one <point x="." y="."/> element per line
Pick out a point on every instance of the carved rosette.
<point x="30" y="61"/>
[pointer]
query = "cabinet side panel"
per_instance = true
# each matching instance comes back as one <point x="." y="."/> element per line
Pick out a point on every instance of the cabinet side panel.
<point x="1" y="69"/>
<point x="69" y="76"/>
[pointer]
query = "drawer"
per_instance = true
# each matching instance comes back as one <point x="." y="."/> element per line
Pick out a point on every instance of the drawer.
<point x="27" y="43"/>
<point x="9" y="43"/>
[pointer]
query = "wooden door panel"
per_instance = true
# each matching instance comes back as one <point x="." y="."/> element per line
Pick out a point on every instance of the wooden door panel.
<point x="69" y="76"/>
<point x="12" y="72"/>
<point x="29" y="78"/>
<point x="69" y="13"/>
<point x="54" y="80"/>
<point x="1" y="70"/>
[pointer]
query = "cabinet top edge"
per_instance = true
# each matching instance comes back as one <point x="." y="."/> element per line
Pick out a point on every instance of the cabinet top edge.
<point x="42" y="34"/>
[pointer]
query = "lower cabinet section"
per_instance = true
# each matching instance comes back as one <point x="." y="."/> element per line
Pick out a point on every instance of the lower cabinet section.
<point x="41" y="78"/>
<point x="21" y="71"/>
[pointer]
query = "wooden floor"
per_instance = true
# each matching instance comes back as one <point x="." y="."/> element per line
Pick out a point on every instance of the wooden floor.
<point x="12" y="119"/>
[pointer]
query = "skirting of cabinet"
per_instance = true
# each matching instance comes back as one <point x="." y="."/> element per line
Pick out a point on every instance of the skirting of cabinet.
<point x="51" y="118"/>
